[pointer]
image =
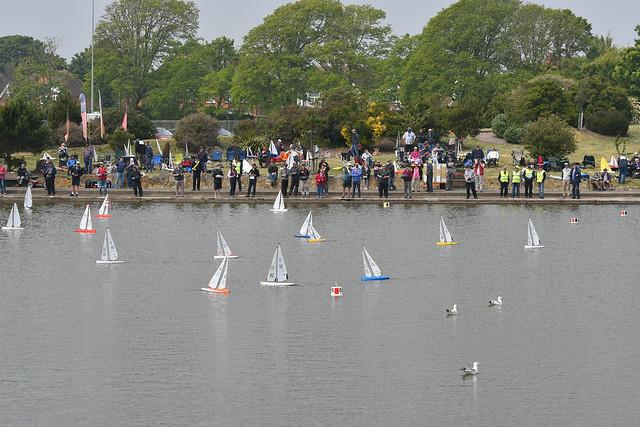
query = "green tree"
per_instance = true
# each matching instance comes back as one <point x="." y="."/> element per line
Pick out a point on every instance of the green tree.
<point x="22" y="128"/>
<point x="307" y="46"/>
<point x="80" y="64"/>
<point x="627" y="73"/>
<point x="549" y="136"/>
<point x="464" y="117"/>
<point x="57" y="110"/>
<point x="13" y="49"/>
<point x="134" y="37"/>
<point x="197" y="130"/>
<point x="138" y="125"/>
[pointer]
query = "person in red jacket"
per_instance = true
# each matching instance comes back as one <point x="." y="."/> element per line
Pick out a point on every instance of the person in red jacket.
<point x="102" y="179"/>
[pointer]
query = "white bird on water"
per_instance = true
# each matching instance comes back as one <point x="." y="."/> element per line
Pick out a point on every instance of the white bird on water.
<point x="496" y="302"/>
<point x="470" y="371"/>
<point x="453" y="310"/>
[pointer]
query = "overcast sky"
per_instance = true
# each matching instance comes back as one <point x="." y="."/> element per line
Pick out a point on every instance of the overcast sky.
<point x="69" y="21"/>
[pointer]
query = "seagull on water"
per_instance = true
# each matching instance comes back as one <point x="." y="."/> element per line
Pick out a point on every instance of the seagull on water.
<point x="470" y="371"/>
<point x="496" y="302"/>
<point x="453" y="310"/>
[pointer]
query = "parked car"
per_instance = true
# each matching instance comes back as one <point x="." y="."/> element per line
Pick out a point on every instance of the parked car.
<point x="162" y="133"/>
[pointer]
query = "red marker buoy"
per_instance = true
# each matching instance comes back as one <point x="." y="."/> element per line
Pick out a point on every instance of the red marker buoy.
<point x="574" y="220"/>
<point x="623" y="213"/>
<point x="336" y="291"/>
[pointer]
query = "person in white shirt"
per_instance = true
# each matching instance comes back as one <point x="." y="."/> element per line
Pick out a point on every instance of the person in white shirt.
<point x="409" y="138"/>
<point x="566" y="180"/>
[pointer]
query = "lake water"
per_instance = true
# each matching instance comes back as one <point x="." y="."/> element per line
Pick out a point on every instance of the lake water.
<point x="140" y="344"/>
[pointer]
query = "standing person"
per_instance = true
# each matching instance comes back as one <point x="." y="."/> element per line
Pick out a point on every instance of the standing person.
<point x="321" y="180"/>
<point x="366" y="175"/>
<point x="88" y="159"/>
<point x="451" y="173"/>
<point x="23" y="175"/>
<point x="323" y="164"/>
<point x="415" y="178"/>
<point x="623" y="164"/>
<point x="429" y="176"/>
<point x="148" y="154"/>
<point x="355" y="143"/>
<point x="102" y="179"/>
<point x="431" y="138"/>
<point x="421" y="139"/>
<point x="503" y="179"/>
<point x="576" y="179"/>
<point x="49" y="172"/>
<point x="528" y="181"/>
<point x="63" y="155"/>
<point x="294" y="176"/>
<point x="120" y="167"/>
<point x="254" y="174"/>
<point x="541" y="176"/>
<point x="346" y="180"/>
<point x="218" y="176"/>
<point x="408" y="138"/>
<point x="392" y="174"/>
<point x="304" y="179"/>
<point x="407" y="176"/>
<point x="478" y="169"/>
<point x="178" y="175"/>
<point x="233" y="179"/>
<point x="382" y="174"/>
<point x="284" y="179"/>
<point x="470" y="182"/>
<point x="356" y="176"/>
<point x="203" y="157"/>
<point x="196" y="170"/>
<point x="136" y="180"/>
<point x="516" y="178"/>
<point x="566" y="180"/>
<point x="477" y="153"/>
<point x="3" y="175"/>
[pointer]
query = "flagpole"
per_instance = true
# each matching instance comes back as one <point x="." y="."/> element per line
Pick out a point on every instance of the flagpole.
<point x="93" y="30"/>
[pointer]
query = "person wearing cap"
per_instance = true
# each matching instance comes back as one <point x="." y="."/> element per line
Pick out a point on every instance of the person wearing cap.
<point x="516" y="178"/>
<point x="49" y="172"/>
<point x="528" y="175"/>
<point x="541" y="176"/>
<point x="407" y="176"/>
<point x="566" y="180"/>
<point x="470" y="182"/>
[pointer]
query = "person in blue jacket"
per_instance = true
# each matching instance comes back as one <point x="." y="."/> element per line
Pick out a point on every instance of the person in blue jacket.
<point x="576" y="179"/>
<point x="356" y="176"/>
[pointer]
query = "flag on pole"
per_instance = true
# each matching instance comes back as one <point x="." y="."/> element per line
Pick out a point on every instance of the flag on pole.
<point x="102" y="132"/>
<point x="66" y="134"/>
<point x="83" y="114"/>
<point x="124" y="119"/>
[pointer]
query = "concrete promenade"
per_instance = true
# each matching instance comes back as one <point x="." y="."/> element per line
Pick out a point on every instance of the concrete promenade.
<point x="456" y="197"/>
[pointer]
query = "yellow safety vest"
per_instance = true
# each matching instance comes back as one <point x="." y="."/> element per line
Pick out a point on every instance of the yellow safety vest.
<point x="528" y="173"/>
<point x="504" y="176"/>
<point x="540" y="176"/>
<point x="516" y="177"/>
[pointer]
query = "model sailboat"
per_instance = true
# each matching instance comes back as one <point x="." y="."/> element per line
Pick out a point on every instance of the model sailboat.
<point x="371" y="269"/>
<point x="85" y="223"/>
<point x="533" y="241"/>
<point x="103" y="212"/>
<point x="14" y="222"/>
<point x="277" y="275"/>
<point x="224" y="251"/>
<point x="109" y="251"/>
<point x="304" y="230"/>
<point x="278" y="205"/>
<point x="218" y="283"/>
<point x="28" y="198"/>
<point x="445" y="236"/>
<point x="314" y="236"/>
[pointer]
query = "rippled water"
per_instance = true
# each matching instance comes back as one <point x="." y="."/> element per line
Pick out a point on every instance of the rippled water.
<point x="139" y="344"/>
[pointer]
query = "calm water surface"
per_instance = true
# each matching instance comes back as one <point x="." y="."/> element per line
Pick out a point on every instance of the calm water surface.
<point x="139" y="344"/>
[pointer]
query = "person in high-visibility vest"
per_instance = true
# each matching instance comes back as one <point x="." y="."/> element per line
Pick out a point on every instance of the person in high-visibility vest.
<point x="528" y="174"/>
<point x="541" y="175"/>
<point x="503" y="178"/>
<point x="516" y="177"/>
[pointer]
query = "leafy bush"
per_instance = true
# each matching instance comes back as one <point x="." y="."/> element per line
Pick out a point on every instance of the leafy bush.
<point x="513" y="134"/>
<point x="75" y="135"/>
<point x="549" y="136"/>
<point x="612" y="123"/>
<point x="138" y="125"/>
<point x="119" y="138"/>
<point x="499" y="125"/>
<point x="197" y="130"/>
<point x="386" y="145"/>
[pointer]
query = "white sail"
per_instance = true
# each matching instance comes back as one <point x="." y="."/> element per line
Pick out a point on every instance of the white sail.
<point x="158" y="146"/>
<point x="219" y="279"/>
<point x="272" y="275"/>
<point x="281" y="271"/>
<point x="186" y="150"/>
<point x="105" y="249"/>
<point x="278" y="204"/>
<point x="113" y="252"/>
<point x="445" y="236"/>
<point x="170" y="165"/>
<point x="532" y="235"/>
<point x="367" y="270"/>
<point x="313" y="233"/>
<point x="104" y="207"/>
<point x="85" y="222"/>
<point x="273" y="150"/>
<point x="223" y="247"/>
<point x="246" y="166"/>
<point x="95" y="155"/>
<point x="374" y="269"/>
<point x="14" y="218"/>
<point x="28" y="198"/>
<point x="304" y="230"/>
